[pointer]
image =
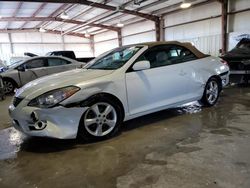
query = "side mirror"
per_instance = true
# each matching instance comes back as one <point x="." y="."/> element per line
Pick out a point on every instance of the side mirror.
<point x="21" y="68"/>
<point x="141" y="65"/>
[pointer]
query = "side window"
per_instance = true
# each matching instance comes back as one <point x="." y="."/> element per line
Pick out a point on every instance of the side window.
<point x="57" y="62"/>
<point x="36" y="63"/>
<point x="157" y="57"/>
<point x="183" y="55"/>
<point x="167" y="55"/>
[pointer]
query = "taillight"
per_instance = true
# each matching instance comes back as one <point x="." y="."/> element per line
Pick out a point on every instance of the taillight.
<point x="224" y="62"/>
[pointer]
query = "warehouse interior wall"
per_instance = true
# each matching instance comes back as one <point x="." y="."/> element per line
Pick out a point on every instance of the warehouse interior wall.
<point x="14" y="45"/>
<point x="131" y="34"/>
<point x="200" y="25"/>
<point x="105" y="41"/>
<point x="138" y="32"/>
<point x="203" y="25"/>
<point x="202" y="29"/>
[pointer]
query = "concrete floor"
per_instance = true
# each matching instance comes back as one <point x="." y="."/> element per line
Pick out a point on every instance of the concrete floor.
<point x="184" y="147"/>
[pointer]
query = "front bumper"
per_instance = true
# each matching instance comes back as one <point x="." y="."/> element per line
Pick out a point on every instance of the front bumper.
<point x="58" y="122"/>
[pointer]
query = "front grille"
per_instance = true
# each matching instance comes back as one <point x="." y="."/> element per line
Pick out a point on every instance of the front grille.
<point x="16" y="101"/>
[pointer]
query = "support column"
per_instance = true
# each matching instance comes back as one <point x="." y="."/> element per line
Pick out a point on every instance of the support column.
<point x="11" y="44"/>
<point x="158" y="29"/>
<point x="224" y="20"/>
<point x="162" y="31"/>
<point x="92" y="45"/>
<point x="63" y="43"/>
<point x="119" y="34"/>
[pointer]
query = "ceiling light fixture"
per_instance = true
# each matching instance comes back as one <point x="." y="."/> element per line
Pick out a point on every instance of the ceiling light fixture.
<point x="64" y="15"/>
<point x="42" y="30"/>
<point x="185" y="4"/>
<point x="119" y="24"/>
<point x="87" y="34"/>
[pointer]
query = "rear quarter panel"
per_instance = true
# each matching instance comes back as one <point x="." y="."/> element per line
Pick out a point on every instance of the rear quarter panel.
<point x="208" y="67"/>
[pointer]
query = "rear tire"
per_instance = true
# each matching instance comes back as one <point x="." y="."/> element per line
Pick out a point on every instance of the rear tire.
<point x="211" y="92"/>
<point x="101" y="121"/>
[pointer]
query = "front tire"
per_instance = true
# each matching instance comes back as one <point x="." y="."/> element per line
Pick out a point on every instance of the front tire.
<point x="211" y="92"/>
<point x="9" y="86"/>
<point x="101" y="121"/>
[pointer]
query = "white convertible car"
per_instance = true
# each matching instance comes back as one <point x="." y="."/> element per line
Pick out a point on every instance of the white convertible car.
<point x="122" y="84"/>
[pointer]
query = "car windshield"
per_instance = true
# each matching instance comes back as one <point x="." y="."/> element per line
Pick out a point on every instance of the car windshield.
<point x="115" y="59"/>
<point x="15" y="64"/>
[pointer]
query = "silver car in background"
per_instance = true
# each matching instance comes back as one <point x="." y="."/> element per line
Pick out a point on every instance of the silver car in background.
<point x="22" y="72"/>
<point x="1" y="89"/>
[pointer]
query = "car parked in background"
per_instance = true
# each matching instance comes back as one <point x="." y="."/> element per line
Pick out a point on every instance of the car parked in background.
<point x="68" y="54"/>
<point x="24" y="71"/>
<point x="238" y="59"/>
<point x="122" y="84"/>
<point x="2" y="66"/>
<point x="1" y="89"/>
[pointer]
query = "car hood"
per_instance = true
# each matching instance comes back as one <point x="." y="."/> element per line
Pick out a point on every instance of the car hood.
<point x="55" y="81"/>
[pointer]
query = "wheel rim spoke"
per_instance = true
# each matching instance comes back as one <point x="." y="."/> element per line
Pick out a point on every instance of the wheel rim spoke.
<point x="89" y="122"/>
<point x="111" y="123"/>
<point x="107" y="110"/>
<point x="95" y="108"/>
<point x="209" y="98"/>
<point x="98" y="131"/>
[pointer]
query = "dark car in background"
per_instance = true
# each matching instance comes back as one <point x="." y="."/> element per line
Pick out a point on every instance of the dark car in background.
<point x="239" y="61"/>
<point x="69" y="54"/>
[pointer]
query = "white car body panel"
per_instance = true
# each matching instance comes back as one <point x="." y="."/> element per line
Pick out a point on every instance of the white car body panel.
<point x="140" y="92"/>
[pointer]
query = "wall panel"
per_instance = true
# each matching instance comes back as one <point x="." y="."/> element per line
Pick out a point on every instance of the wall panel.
<point x="40" y="44"/>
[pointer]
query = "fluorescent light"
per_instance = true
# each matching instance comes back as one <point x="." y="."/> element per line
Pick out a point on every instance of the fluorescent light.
<point x="42" y="30"/>
<point x="64" y="15"/>
<point x="119" y="24"/>
<point x="185" y="4"/>
<point x="87" y="34"/>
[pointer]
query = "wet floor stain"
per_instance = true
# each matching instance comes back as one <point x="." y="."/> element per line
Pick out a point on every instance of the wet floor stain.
<point x="162" y="149"/>
<point x="10" y="143"/>
<point x="221" y="131"/>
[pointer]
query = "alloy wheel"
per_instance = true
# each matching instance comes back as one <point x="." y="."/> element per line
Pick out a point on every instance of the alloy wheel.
<point x="100" y="119"/>
<point x="8" y="87"/>
<point x="212" y="91"/>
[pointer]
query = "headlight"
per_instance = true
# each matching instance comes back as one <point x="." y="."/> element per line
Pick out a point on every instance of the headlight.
<point x="51" y="98"/>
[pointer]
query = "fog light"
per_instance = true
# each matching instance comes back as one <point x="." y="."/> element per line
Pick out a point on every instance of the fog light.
<point x="40" y="125"/>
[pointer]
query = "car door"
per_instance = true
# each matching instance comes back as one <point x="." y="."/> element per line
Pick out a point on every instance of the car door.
<point x="57" y="64"/>
<point x="34" y="69"/>
<point x="163" y="84"/>
<point x="190" y="69"/>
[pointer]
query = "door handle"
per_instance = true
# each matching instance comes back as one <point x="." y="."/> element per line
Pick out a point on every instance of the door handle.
<point x="182" y="73"/>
